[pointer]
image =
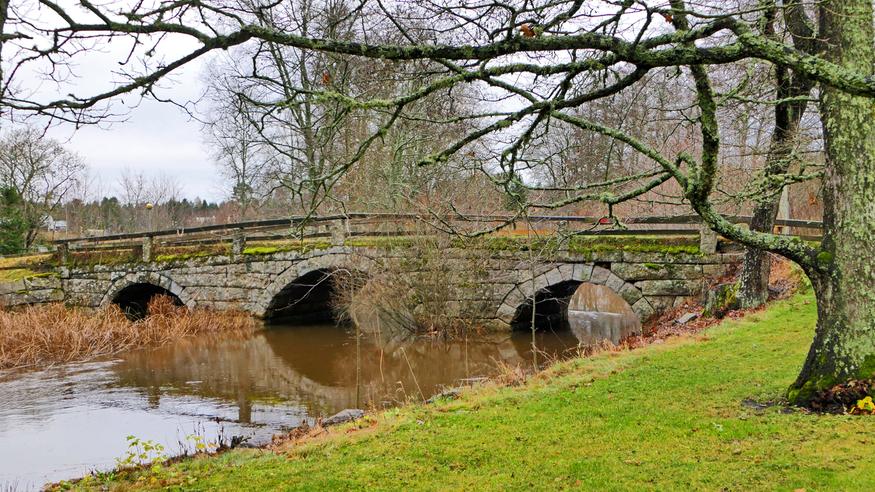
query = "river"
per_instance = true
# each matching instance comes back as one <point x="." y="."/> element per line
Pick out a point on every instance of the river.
<point x="71" y="419"/>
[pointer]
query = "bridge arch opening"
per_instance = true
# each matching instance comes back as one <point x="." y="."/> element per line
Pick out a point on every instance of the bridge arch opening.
<point x="312" y="297"/>
<point x="592" y="312"/>
<point x="550" y="308"/>
<point x="134" y="299"/>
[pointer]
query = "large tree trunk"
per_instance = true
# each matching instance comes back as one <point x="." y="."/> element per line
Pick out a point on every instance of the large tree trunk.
<point x="844" y="280"/>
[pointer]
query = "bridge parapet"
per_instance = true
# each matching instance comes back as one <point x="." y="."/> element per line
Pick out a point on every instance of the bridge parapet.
<point x="245" y="267"/>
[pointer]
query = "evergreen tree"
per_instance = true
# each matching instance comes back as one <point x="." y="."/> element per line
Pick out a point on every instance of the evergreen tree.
<point x="13" y="226"/>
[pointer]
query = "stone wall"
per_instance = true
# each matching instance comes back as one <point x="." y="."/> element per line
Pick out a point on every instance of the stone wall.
<point x="33" y="290"/>
<point x="485" y="289"/>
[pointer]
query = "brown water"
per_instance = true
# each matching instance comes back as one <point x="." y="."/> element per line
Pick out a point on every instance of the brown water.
<point x="66" y="421"/>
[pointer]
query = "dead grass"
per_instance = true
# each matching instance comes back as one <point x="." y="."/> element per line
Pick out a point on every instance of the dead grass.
<point x="54" y="333"/>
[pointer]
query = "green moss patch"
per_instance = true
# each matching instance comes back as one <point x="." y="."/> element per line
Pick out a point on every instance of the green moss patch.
<point x="591" y="244"/>
<point x="271" y="247"/>
<point x="636" y="244"/>
<point x="86" y="259"/>
<point x="15" y="274"/>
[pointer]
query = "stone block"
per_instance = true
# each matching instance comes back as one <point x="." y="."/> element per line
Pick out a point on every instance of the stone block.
<point x="505" y="312"/>
<point x="12" y="287"/>
<point x="634" y="272"/>
<point x="50" y="282"/>
<point x="714" y="270"/>
<point x="707" y="240"/>
<point x="661" y="303"/>
<point x="514" y="297"/>
<point x="600" y="275"/>
<point x="630" y="293"/>
<point x="554" y="277"/>
<point x="643" y="309"/>
<point x="582" y="272"/>
<point x="567" y="271"/>
<point x="730" y="258"/>
<point x="614" y="283"/>
<point x="204" y="279"/>
<point x="670" y="287"/>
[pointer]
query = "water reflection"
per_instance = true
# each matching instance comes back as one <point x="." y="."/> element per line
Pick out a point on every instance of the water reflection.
<point x="63" y="422"/>
<point x="596" y="313"/>
<point x="320" y="367"/>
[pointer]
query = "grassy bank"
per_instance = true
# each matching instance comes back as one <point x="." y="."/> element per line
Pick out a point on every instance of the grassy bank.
<point x="690" y="413"/>
<point x="42" y="335"/>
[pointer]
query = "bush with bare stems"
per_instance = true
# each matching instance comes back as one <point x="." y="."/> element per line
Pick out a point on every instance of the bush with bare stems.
<point x="415" y="290"/>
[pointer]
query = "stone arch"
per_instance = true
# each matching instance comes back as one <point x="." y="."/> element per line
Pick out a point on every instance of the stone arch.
<point x="154" y="279"/>
<point x="573" y="273"/>
<point x="304" y="269"/>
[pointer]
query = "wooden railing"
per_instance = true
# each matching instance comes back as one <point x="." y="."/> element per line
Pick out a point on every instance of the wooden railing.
<point x="337" y="228"/>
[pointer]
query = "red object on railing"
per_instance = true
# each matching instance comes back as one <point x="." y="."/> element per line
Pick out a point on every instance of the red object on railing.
<point x="605" y="220"/>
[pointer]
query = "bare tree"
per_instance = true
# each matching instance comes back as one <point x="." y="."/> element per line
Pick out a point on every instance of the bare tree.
<point x="41" y="172"/>
<point x="235" y="144"/>
<point x="792" y="94"/>
<point x="140" y="194"/>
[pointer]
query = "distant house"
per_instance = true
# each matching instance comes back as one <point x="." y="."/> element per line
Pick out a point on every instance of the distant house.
<point x="54" y="225"/>
<point x="207" y="220"/>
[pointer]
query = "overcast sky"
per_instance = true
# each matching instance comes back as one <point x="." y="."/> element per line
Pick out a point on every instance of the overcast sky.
<point x="157" y="139"/>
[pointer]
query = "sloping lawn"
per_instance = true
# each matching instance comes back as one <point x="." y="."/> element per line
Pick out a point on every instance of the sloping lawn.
<point x="669" y="416"/>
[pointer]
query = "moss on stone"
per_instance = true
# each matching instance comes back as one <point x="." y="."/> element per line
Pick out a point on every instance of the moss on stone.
<point x="380" y="242"/>
<point x="671" y="245"/>
<point x="721" y="300"/>
<point x="165" y="258"/>
<point x="30" y="261"/>
<point x="86" y="259"/>
<point x="269" y="248"/>
<point x="14" y="274"/>
<point x="824" y="258"/>
<point x="587" y="245"/>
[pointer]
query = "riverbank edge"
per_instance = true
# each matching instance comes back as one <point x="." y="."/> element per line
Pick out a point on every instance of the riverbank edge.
<point x="319" y="442"/>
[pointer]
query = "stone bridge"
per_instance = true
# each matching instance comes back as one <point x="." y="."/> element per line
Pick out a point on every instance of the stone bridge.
<point x="496" y="288"/>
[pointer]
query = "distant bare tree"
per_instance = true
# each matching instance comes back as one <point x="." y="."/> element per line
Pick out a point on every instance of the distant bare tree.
<point x="137" y="191"/>
<point x="235" y="143"/>
<point x="41" y="172"/>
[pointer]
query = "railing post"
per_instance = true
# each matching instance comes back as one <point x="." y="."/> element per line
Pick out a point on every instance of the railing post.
<point x="338" y="232"/>
<point x="238" y="243"/>
<point x="63" y="253"/>
<point x="147" y="248"/>
<point x="563" y="234"/>
<point x="707" y="240"/>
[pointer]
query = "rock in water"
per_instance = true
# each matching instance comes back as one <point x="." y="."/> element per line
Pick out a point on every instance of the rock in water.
<point x="343" y="416"/>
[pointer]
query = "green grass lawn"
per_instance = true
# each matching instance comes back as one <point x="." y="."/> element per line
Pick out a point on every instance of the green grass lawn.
<point x="669" y="416"/>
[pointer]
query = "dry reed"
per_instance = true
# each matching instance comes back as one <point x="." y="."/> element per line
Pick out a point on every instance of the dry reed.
<point x="54" y="333"/>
